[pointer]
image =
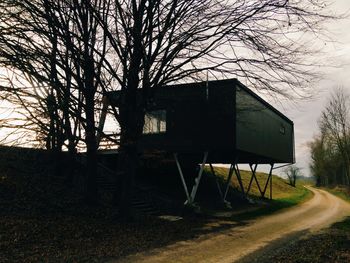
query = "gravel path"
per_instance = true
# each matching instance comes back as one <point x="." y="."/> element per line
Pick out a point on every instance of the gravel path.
<point x="240" y="242"/>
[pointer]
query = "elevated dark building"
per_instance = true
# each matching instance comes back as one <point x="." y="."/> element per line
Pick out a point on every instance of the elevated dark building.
<point x="221" y="121"/>
<point x="222" y="117"/>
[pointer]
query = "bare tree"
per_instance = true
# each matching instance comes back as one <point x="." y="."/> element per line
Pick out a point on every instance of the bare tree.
<point x="319" y="160"/>
<point x="335" y="124"/>
<point x="58" y="44"/>
<point x="292" y="172"/>
<point x="36" y="86"/>
<point x="29" y="50"/>
<point x="161" y="42"/>
<point x="137" y="45"/>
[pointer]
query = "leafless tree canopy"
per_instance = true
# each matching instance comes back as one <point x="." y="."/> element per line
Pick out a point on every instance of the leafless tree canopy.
<point x="330" y="151"/>
<point x="78" y="50"/>
<point x="292" y="172"/>
<point x="151" y="43"/>
<point x="264" y="42"/>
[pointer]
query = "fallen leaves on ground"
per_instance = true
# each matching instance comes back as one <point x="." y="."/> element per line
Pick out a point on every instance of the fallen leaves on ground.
<point x="329" y="245"/>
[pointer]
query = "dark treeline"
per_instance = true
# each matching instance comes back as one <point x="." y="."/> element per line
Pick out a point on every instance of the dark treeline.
<point x="330" y="150"/>
<point x="61" y="57"/>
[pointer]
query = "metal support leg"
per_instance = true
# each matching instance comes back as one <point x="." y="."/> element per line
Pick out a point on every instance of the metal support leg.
<point x="198" y="179"/>
<point x="228" y="181"/>
<point x="271" y="182"/>
<point x="253" y="170"/>
<point x="190" y="198"/>
<point x="267" y="182"/>
<point x="252" y="177"/>
<point x="216" y="181"/>
<point x="182" y="177"/>
<point x="239" y="178"/>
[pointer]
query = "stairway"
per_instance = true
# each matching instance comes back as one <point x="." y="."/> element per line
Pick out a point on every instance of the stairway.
<point x="146" y="199"/>
<point x="106" y="178"/>
<point x="142" y="202"/>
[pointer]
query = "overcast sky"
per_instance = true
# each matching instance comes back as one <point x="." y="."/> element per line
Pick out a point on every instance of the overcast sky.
<point x="306" y="113"/>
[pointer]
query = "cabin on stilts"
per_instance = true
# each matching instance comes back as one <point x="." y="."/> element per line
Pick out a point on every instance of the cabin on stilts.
<point x="215" y="122"/>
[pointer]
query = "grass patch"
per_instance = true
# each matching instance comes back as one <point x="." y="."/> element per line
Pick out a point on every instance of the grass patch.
<point x="281" y="189"/>
<point x="342" y="192"/>
<point x="284" y="195"/>
<point x="344" y="225"/>
<point x="300" y="195"/>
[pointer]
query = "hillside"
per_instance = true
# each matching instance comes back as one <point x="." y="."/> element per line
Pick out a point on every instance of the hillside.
<point x="281" y="188"/>
<point x="43" y="220"/>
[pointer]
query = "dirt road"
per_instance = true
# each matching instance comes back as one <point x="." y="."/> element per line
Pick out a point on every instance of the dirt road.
<point x="239" y="241"/>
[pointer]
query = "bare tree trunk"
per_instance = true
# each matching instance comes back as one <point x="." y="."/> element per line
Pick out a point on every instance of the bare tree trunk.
<point x="347" y="173"/>
<point x="91" y="151"/>
<point x="70" y="164"/>
<point x="132" y="120"/>
<point x="132" y="116"/>
<point x="129" y="162"/>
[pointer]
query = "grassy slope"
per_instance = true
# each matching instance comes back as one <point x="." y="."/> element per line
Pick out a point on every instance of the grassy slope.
<point x="41" y="220"/>
<point x="340" y="191"/>
<point x="284" y="195"/>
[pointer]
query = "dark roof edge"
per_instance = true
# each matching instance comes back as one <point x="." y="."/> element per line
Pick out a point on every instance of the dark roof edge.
<point x="203" y="83"/>
<point x="227" y="81"/>
<point x="241" y="85"/>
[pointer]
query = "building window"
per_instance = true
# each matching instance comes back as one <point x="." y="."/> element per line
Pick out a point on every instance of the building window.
<point x="155" y="122"/>
<point x="282" y="129"/>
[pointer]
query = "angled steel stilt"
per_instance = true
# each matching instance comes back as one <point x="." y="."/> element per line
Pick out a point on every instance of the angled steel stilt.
<point x="198" y="178"/>
<point x="252" y="177"/>
<point x="216" y="181"/>
<point x="192" y="196"/>
<point x="253" y="170"/>
<point x="269" y="180"/>
<point x="182" y="177"/>
<point x="228" y="181"/>
<point x="239" y="178"/>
